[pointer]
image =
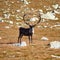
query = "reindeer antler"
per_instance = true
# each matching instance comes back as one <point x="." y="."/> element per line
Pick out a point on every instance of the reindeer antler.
<point x="24" y="19"/>
<point x="38" y="21"/>
<point x="29" y="18"/>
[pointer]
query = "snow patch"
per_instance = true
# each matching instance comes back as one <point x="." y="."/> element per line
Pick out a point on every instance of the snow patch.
<point x="49" y="15"/>
<point x="55" y="26"/>
<point x="55" y="44"/>
<point x="34" y="19"/>
<point x="22" y="44"/>
<point x="55" y="56"/>
<point x="44" y="38"/>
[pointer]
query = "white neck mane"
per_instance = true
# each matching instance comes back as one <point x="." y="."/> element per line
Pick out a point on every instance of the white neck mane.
<point x="33" y="30"/>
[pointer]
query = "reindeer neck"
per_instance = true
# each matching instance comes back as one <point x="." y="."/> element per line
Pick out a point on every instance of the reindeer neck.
<point x="31" y="29"/>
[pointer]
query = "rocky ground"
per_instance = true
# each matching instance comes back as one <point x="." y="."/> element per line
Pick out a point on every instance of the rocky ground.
<point x="47" y="31"/>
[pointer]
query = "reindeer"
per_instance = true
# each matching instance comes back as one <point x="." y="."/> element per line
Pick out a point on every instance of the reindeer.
<point x="27" y="31"/>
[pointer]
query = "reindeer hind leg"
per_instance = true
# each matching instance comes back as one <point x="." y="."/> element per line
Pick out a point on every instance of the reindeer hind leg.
<point x="20" y="38"/>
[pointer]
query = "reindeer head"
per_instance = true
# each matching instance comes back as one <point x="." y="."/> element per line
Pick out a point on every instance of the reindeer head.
<point x="28" y="31"/>
<point x="31" y="18"/>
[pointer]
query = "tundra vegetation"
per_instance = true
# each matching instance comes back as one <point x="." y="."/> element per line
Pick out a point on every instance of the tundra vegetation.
<point x="46" y="37"/>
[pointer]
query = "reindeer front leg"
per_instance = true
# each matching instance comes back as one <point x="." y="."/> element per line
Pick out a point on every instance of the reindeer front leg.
<point x="19" y="38"/>
<point x="31" y="38"/>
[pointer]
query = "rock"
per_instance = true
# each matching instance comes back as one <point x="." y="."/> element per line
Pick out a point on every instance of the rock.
<point x="44" y="38"/>
<point x="55" y="6"/>
<point x="25" y="1"/>
<point x="7" y="16"/>
<point x="11" y="22"/>
<point x="49" y="15"/>
<point x="21" y="45"/>
<point x="1" y="19"/>
<point x="57" y="11"/>
<point x="55" y="44"/>
<point x="18" y="10"/>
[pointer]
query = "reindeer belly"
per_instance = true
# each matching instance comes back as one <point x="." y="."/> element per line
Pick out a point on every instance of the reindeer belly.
<point x="25" y="32"/>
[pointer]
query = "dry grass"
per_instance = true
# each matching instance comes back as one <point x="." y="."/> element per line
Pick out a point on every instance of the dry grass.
<point x="39" y="49"/>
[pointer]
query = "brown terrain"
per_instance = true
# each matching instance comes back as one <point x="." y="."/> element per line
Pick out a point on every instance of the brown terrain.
<point x="39" y="49"/>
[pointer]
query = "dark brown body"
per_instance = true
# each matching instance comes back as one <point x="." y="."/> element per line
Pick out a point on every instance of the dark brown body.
<point x="25" y="32"/>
